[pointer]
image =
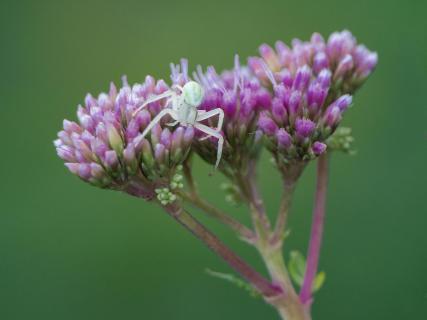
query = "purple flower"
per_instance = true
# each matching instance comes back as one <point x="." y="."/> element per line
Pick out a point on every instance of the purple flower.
<point x="300" y="117"/>
<point x="267" y="125"/>
<point x="344" y="102"/>
<point x="105" y="148"/>
<point x="318" y="148"/>
<point x="304" y="128"/>
<point x="332" y="116"/>
<point x="349" y="62"/>
<point x="284" y="139"/>
<point x="344" y="67"/>
<point x="311" y="82"/>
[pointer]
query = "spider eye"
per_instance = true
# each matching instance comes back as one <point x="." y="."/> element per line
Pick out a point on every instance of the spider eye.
<point x="193" y="93"/>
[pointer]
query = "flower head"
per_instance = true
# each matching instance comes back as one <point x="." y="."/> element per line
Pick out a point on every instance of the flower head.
<point x="105" y="147"/>
<point x="312" y="83"/>
<point x="240" y="95"/>
<point x="350" y="63"/>
<point x="300" y="118"/>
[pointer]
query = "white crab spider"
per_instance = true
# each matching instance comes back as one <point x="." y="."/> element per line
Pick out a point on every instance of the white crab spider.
<point x="184" y="111"/>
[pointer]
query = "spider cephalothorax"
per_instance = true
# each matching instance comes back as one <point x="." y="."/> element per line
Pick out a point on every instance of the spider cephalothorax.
<point x="182" y="106"/>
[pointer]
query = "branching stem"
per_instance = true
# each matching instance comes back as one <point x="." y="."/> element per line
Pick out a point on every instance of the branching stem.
<point x="244" y="232"/>
<point x="265" y="287"/>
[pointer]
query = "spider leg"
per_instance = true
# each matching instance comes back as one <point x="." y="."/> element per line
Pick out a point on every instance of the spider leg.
<point x="209" y="114"/>
<point x="156" y="120"/>
<point x="204" y="138"/>
<point x="165" y="94"/>
<point x="177" y="86"/>
<point x="199" y="112"/>
<point x="172" y="124"/>
<point x="203" y="115"/>
<point x="171" y="99"/>
<point x="215" y="134"/>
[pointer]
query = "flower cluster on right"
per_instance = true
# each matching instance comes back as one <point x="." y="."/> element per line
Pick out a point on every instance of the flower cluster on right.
<point x="312" y="83"/>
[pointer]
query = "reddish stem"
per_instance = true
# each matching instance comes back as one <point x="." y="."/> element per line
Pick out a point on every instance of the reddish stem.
<point x="316" y="230"/>
<point x="265" y="287"/>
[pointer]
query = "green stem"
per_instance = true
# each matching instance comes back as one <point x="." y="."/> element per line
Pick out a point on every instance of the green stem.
<point x="269" y="244"/>
<point x="249" y="191"/>
<point x="288" y="305"/>
<point x="290" y="175"/>
<point x="255" y="196"/>
<point x="290" y="311"/>
<point x="282" y="216"/>
<point x="189" y="176"/>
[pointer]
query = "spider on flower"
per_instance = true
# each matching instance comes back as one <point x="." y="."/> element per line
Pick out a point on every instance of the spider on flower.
<point x="182" y="107"/>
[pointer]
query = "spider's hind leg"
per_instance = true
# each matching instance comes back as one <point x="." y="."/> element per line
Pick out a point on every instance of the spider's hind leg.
<point x="212" y="133"/>
<point x="209" y="114"/>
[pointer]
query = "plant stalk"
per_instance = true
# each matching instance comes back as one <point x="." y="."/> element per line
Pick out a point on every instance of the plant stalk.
<point x="255" y="198"/>
<point x="290" y="174"/>
<point x="244" y="232"/>
<point x="288" y="305"/>
<point x="282" y="216"/>
<point x="316" y="230"/>
<point x="265" y="287"/>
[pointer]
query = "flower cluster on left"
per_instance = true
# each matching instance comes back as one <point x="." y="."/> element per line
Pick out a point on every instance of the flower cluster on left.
<point x="105" y="148"/>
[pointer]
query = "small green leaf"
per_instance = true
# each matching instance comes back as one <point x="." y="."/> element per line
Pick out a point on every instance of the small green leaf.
<point x="319" y="281"/>
<point x="236" y="281"/>
<point x="296" y="267"/>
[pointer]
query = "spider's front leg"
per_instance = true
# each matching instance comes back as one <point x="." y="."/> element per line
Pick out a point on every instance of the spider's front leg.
<point x="172" y="124"/>
<point x="212" y="133"/>
<point x="168" y="93"/>
<point x="174" y="101"/>
<point x="177" y="86"/>
<point x="156" y="120"/>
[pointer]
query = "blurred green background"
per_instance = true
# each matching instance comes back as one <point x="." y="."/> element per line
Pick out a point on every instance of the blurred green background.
<point x="71" y="251"/>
